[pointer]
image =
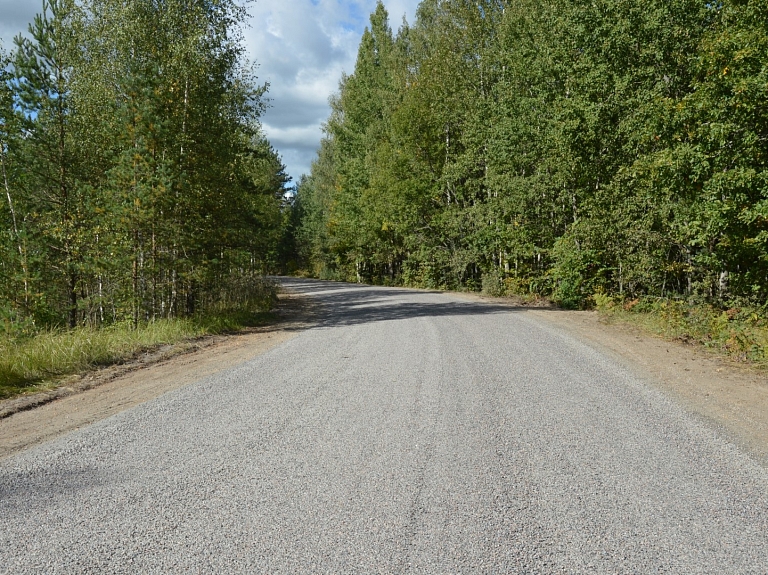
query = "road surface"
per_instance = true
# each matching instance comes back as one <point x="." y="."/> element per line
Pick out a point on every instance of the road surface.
<point x="406" y="432"/>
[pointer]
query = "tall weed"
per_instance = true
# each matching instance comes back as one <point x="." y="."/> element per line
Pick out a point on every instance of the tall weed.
<point x="738" y="332"/>
<point x="57" y="352"/>
<point x="29" y="359"/>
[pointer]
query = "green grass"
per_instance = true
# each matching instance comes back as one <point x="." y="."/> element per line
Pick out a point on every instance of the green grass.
<point x="33" y="363"/>
<point x="738" y="333"/>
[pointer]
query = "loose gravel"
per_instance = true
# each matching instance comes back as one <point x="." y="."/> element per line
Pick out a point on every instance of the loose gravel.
<point x="407" y="432"/>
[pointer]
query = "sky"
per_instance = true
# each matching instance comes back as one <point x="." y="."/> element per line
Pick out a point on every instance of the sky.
<point x="301" y="48"/>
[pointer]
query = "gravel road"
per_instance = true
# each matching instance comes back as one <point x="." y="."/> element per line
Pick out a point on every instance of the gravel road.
<point x="407" y="431"/>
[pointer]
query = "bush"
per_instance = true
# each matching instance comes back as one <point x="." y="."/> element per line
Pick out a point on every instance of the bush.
<point x="741" y="333"/>
<point x="492" y="283"/>
<point x="572" y="275"/>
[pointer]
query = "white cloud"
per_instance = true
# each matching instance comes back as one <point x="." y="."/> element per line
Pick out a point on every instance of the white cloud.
<point x="302" y="47"/>
<point x="15" y="16"/>
<point x="297" y="145"/>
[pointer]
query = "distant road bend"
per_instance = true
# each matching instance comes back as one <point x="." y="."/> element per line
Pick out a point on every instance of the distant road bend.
<point x="406" y="432"/>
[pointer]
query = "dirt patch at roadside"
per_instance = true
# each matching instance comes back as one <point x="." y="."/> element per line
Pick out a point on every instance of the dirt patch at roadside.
<point x="85" y="399"/>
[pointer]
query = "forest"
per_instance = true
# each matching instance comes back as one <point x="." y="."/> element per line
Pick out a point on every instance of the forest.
<point x="573" y="149"/>
<point x="137" y="182"/>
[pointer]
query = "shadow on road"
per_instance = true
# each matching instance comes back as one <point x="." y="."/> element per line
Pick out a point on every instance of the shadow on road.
<point x="17" y="486"/>
<point x="344" y="304"/>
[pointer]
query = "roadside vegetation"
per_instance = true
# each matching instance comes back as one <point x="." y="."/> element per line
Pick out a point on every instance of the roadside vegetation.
<point x="741" y="334"/>
<point x="37" y="362"/>
<point x="32" y="359"/>
<point x="141" y="202"/>
<point x="558" y="149"/>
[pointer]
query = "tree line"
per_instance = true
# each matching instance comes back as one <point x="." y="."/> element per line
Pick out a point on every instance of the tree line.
<point x="137" y="181"/>
<point x="559" y="147"/>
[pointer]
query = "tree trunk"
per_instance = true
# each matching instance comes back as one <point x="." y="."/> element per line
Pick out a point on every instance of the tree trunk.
<point x="19" y="243"/>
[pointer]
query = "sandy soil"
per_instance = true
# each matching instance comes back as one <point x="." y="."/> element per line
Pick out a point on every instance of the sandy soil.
<point x="727" y="395"/>
<point x="97" y="395"/>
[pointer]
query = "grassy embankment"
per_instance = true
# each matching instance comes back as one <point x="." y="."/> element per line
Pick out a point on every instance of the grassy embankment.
<point x="38" y="361"/>
<point x="738" y="333"/>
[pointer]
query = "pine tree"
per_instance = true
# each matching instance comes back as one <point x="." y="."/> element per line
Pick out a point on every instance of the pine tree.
<point x="43" y="67"/>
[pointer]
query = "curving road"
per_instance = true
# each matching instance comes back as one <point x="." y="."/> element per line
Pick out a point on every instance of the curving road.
<point x="407" y="431"/>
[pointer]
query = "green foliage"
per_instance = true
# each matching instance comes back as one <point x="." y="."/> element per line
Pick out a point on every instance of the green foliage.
<point x="493" y="284"/>
<point x="137" y="182"/>
<point x="573" y="274"/>
<point x="739" y="333"/>
<point x="557" y="148"/>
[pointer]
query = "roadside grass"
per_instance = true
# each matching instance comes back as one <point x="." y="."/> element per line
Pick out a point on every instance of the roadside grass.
<point x="739" y="333"/>
<point x="37" y="362"/>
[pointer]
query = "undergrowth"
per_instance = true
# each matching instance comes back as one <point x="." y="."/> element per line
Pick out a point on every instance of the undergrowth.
<point x="30" y="362"/>
<point x="740" y="333"/>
